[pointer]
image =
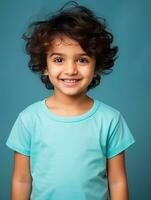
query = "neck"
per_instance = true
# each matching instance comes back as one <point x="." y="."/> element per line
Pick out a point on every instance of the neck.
<point x="70" y="101"/>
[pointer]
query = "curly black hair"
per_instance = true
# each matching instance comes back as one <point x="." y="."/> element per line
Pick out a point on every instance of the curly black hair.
<point x="78" y="23"/>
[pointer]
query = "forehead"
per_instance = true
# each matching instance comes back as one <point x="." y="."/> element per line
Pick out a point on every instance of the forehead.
<point x="64" y="43"/>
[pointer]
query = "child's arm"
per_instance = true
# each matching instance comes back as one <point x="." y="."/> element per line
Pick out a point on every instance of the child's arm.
<point x="117" y="178"/>
<point x="21" y="180"/>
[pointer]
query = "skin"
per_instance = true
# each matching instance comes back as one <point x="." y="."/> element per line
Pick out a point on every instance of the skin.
<point x="66" y="59"/>
<point x="117" y="177"/>
<point x="21" y="179"/>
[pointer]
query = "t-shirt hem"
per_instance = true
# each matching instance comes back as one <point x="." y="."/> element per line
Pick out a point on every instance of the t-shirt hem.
<point x="121" y="148"/>
<point x="26" y="153"/>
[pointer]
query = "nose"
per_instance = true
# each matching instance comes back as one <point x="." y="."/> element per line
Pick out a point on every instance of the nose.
<point x="71" y="68"/>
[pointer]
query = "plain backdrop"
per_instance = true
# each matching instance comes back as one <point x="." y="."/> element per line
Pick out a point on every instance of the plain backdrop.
<point x="127" y="88"/>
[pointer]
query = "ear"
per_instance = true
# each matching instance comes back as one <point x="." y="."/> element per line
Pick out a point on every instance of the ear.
<point x="45" y="71"/>
<point x="95" y="74"/>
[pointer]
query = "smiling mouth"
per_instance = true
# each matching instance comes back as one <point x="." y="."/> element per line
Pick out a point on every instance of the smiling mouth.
<point x="70" y="82"/>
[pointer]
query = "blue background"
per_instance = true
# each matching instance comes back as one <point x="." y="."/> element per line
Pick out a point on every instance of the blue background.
<point x="127" y="88"/>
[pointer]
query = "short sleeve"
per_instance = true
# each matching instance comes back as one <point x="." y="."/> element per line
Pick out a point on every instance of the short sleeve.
<point x="119" y="138"/>
<point x="19" y="138"/>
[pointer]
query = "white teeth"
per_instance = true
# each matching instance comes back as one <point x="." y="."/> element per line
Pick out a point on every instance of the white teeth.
<point x="70" y="81"/>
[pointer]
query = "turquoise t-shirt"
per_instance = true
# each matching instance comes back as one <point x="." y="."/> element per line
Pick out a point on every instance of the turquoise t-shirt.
<point x="68" y="153"/>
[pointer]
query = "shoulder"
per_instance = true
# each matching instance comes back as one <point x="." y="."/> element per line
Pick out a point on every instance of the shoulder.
<point x="107" y="115"/>
<point x="107" y="111"/>
<point x="32" y="108"/>
<point x="30" y="113"/>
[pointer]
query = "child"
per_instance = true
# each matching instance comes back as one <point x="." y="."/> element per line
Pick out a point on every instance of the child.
<point x="69" y="146"/>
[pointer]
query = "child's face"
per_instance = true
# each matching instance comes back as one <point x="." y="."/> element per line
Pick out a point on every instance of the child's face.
<point x="67" y="60"/>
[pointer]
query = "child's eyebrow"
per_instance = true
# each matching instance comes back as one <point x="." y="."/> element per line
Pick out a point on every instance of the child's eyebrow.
<point x="62" y="54"/>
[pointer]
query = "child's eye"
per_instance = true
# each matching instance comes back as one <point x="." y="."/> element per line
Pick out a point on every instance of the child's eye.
<point x="83" y="60"/>
<point x="58" y="60"/>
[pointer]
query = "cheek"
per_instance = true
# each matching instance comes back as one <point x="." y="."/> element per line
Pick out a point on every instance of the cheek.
<point x="88" y="71"/>
<point x="53" y="71"/>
